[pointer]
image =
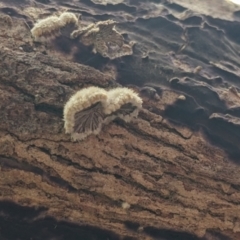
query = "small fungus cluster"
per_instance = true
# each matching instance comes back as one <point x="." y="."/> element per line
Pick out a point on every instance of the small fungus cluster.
<point x="103" y="36"/>
<point x="88" y="109"/>
<point x="49" y="28"/>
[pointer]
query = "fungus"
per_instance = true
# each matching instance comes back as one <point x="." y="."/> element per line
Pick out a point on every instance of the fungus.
<point x="90" y="108"/>
<point x="86" y="30"/>
<point x="68" y="18"/>
<point x="123" y="103"/>
<point x="106" y="40"/>
<point x="49" y="28"/>
<point x="83" y="113"/>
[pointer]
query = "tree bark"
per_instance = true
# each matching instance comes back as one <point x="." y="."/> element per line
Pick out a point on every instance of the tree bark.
<point x="172" y="173"/>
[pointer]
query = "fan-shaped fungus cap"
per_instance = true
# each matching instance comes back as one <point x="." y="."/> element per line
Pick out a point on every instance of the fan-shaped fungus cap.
<point x="83" y="113"/>
<point x="49" y="27"/>
<point x="45" y="27"/>
<point x="123" y="103"/>
<point x="68" y="18"/>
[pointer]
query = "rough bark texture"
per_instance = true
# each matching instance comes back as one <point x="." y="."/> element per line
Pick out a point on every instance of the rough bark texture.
<point x="172" y="173"/>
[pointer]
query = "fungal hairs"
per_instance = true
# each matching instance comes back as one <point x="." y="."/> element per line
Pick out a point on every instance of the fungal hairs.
<point x="122" y="103"/>
<point x="49" y="28"/>
<point x="83" y="113"/>
<point x="88" y="109"/>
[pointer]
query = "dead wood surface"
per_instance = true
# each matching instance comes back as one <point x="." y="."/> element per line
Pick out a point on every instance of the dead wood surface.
<point x="173" y="173"/>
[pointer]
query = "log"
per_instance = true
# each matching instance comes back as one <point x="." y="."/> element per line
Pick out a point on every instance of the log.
<point x="172" y="173"/>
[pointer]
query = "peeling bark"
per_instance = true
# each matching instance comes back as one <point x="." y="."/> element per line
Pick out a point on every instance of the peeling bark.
<point x="172" y="173"/>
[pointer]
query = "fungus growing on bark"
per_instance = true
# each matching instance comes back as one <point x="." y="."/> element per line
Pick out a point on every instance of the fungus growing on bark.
<point x="105" y="39"/>
<point x="84" y="114"/>
<point x="88" y="109"/>
<point x="68" y="18"/>
<point x="49" y="28"/>
<point x="123" y="103"/>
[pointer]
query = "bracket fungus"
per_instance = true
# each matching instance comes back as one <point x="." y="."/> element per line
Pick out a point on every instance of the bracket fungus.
<point x="49" y="28"/>
<point x="88" y="109"/>
<point x="106" y="40"/>
<point x="83" y="113"/>
<point x="68" y="18"/>
<point x="123" y="103"/>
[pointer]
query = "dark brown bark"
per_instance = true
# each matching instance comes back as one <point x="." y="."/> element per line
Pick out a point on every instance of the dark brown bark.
<point x="172" y="173"/>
